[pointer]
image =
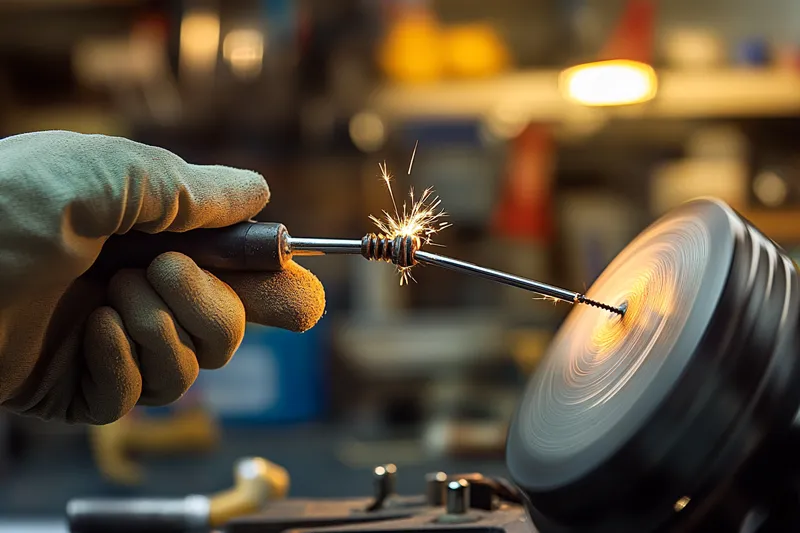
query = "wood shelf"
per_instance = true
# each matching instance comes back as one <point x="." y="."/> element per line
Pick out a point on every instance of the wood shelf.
<point x="535" y="96"/>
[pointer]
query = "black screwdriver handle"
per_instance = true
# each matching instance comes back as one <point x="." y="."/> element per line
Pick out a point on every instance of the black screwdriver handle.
<point x="244" y="247"/>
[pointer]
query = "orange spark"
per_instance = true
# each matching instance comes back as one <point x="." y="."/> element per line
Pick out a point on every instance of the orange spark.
<point x="547" y="298"/>
<point x="421" y="218"/>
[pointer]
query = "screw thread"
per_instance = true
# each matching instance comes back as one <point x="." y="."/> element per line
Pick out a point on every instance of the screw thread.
<point x="398" y="250"/>
<point x="584" y="300"/>
<point x="377" y="247"/>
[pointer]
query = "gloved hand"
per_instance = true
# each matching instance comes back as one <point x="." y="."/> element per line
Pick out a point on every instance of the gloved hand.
<point x="83" y="350"/>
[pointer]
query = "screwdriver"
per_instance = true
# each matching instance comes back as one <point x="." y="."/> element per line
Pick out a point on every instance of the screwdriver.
<point x="267" y="247"/>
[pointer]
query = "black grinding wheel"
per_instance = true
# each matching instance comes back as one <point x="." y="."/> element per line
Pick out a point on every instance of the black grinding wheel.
<point x="678" y="416"/>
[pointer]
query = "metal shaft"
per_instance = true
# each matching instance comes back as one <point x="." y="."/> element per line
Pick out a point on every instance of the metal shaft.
<point x="310" y="246"/>
<point x="495" y="275"/>
<point x="306" y="247"/>
<point x="509" y="279"/>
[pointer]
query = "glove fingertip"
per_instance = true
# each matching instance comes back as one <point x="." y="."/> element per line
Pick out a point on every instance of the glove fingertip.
<point x="259" y="184"/>
<point x="247" y="192"/>
<point x="121" y="280"/>
<point x="112" y="384"/>
<point x="302" y="299"/>
<point x="208" y="309"/>
<point x="293" y="299"/>
<point x="254" y="182"/>
<point x="170" y="265"/>
<point x="313" y="304"/>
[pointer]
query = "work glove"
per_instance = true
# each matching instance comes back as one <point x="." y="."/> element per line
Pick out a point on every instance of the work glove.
<point x="85" y="350"/>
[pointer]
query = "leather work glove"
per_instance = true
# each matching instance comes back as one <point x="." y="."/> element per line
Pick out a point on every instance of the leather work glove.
<point x="82" y="350"/>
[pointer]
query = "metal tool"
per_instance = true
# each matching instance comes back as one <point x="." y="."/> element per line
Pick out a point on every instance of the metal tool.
<point x="384" y="483"/>
<point x="117" y="447"/>
<point x="457" y="501"/>
<point x="267" y="247"/>
<point x="514" y="281"/>
<point x="257" y="482"/>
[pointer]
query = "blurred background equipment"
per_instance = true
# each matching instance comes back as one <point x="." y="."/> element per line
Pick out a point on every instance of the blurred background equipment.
<point x="257" y="481"/>
<point x="315" y="94"/>
<point x="116" y="445"/>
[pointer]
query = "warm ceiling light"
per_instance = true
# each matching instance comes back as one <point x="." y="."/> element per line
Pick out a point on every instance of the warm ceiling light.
<point x="199" y="42"/>
<point x="244" y="52"/>
<point x="609" y="83"/>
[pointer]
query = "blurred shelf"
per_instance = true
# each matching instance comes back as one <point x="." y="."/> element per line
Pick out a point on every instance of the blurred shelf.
<point x="535" y="96"/>
<point x="782" y="226"/>
<point x="20" y="5"/>
<point x="82" y="119"/>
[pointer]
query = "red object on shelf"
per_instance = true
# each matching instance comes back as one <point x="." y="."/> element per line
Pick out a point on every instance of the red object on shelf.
<point x="152" y="25"/>
<point x="525" y="210"/>
<point x="632" y="38"/>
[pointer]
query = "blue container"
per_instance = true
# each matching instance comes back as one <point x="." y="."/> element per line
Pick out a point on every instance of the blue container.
<point x="754" y="53"/>
<point x="275" y="376"/>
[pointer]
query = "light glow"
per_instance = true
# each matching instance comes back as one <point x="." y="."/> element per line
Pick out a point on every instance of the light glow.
<point x="244" y="52"/>
<point x="609" y="83"/>
<point x="199" y="46"/>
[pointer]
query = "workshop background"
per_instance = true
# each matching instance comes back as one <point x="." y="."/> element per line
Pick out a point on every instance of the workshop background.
<point x="547" y="164"/>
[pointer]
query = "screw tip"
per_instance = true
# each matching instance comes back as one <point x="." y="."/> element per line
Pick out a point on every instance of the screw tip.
<point x="584" y="300"/>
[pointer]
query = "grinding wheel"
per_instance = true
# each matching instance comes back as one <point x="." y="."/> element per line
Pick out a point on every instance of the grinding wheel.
<point x="679" y="415"/>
